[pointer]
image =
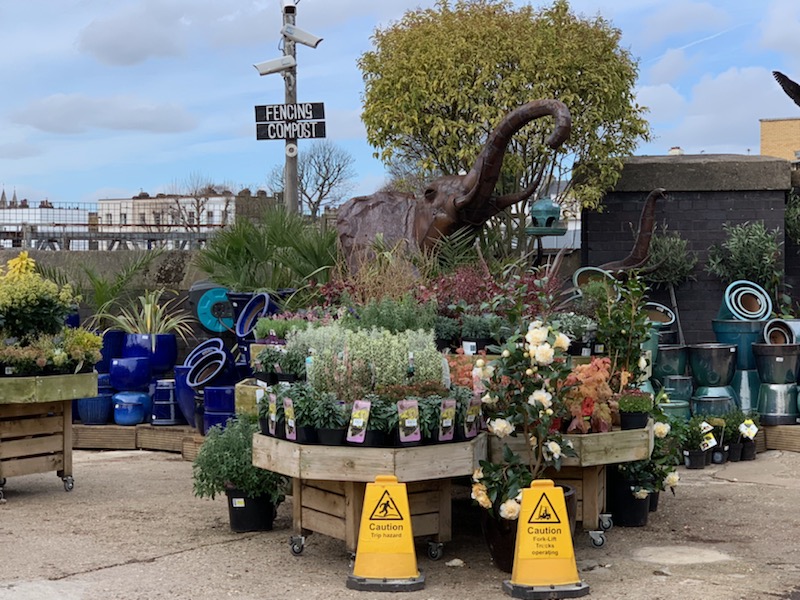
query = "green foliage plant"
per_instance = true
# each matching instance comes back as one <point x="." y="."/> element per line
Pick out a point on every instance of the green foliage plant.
<point x="498" y="57"/>
<point x="750" y="252"/>
<point x="446" y="328"/>
<point x="327" y="412"/>
<point x="476" y="327"/>
<point x="277" y="327"/>
<point x="671" y="260"/>
<point x="225" y="461"/>
<point x="150" y="314"/>
<point x="694" y="435"/>
<point x="635" y="400"/>
<point x="393" y="314"/>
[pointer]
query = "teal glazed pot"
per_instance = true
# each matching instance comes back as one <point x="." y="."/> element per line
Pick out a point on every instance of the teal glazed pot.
<point x="670" y="360"/>
<point x="743" y="334"/>
<point x="777" y="363"/>
<point x="746" y="301"/>
<point x="712" y="365"/>
<point x="677" y="409"/>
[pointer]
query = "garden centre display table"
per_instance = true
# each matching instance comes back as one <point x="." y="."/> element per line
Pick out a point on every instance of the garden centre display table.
<point x="329" y="482"/>
<point x="586" y="472"/>
<point x="36" y="424"/>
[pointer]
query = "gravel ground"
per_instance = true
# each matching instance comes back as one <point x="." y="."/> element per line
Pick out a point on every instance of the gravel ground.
<point x="132" y="530"/>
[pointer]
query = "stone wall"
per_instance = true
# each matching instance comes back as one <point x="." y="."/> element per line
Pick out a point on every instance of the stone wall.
<point x="705" y="192"/>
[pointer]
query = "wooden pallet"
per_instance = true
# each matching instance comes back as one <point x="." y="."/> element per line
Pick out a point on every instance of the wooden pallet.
<point x="190" y="446"/>
<point x="168" y="438"/>
<point x="780" y="437"/>
<point x="103" y="437"/>
<point x="590" y="488"/>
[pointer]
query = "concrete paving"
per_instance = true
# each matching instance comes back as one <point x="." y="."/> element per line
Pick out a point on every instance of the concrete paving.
<point x="132" y="530"/>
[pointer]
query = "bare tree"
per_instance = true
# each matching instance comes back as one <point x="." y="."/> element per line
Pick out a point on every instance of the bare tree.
<point x="189" y="208"/>
<point x="324" y="175"/>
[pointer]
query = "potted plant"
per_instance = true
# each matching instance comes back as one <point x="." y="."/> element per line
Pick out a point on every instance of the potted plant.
<point x="330" y="417"/>
<point x="274" y="330"/>
<point x="225" y="464"/>
<point x="267" y="363"/>
<point x="303" y="399"/>
<point x="477" y="331"/>
<point x="635" y="406"/>
<point x="732" y="436"/>
<point x="446" y="331"/>
<point x="580" y="329"/>
<point x="587" y="397"/>
<point x="381" y="426"/>
<point x="151" y="325"/>
<point x="271" y="414"/>
<point x="693" y="454"/>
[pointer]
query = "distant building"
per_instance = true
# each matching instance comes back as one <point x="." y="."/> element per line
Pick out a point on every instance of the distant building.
<point x="781" y="138"/>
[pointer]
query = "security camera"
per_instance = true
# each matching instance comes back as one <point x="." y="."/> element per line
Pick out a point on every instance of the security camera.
<point x="288" y="7"/>
<point x="302" y="37"/>
<point x="276" y="65"/>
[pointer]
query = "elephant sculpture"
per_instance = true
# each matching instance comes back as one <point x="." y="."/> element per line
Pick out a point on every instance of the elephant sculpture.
<point x="450" y="202"/>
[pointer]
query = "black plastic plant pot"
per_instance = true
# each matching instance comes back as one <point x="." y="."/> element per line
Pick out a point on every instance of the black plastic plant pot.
<point x="249" y="514"/>
<point x="633" y="420"/>
<point x="694" y="459"/>
<point x="331" y="436"/>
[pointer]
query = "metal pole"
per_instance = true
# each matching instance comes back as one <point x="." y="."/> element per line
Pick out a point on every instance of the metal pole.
<point x="290" y="81"/>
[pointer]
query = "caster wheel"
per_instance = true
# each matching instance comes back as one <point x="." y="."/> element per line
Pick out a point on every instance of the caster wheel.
<point x="69" y="483"/>
<point x="606" y="524"/>
<point x="297" y="544"/>
<point x="435" y="551"/>
<point x="598" y="539"/>
<point x="2" y="481"/>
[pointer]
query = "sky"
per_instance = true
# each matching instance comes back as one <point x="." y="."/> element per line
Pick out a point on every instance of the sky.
<point x="104" y="99"/>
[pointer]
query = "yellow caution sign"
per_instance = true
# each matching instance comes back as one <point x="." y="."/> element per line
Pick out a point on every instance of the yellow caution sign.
<point x="544" y="559"/>
<point x="385" y="556"/>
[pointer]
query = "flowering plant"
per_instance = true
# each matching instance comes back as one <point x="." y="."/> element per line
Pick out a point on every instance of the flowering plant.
<point x="69" y="351"/>
<point x="588" y="396"/>
<point x="523" y="397"/>
<point x="657" y="473"/>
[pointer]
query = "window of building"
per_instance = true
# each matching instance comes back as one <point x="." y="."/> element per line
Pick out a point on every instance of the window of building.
<point x="157" y="217"/>
<point x="109" y="219"/>
<point x="190" y="217"/>
<point x="142" y="219"/>
<point x="123" y="218"/>
<point x="210" y="217"/>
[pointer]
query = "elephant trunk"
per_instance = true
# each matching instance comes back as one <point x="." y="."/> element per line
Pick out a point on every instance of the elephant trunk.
<point x="482" y="178"/>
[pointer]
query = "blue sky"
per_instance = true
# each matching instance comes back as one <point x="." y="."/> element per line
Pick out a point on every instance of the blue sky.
<point x="106" y="99"/>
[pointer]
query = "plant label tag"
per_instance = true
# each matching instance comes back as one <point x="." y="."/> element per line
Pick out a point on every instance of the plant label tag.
<point x="778" y="359"/>
<point x="470" y="348"/>
<point x="473" y="420"/>
<point x="288" y="412"/>
<point x="237" y="502"/>
<point x="748" y="429"/>
<point x="447" y="419"/>
<point x="586" y="351"/>
<point x="359" y="417"/>
<point x="273" y="413"/>
<point x="705" y="427"/>
<point x="259" y="395"/>
<point x="9" y="370"/>
<point x="408" y="420"/>
<point x="709" y="441"/>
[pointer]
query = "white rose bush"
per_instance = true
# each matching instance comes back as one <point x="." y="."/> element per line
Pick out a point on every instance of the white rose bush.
<point x="522" y="397"/>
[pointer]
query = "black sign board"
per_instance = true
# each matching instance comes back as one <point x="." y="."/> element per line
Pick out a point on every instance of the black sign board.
<point x="304" y="111"/>
<point x="298" y="130"/>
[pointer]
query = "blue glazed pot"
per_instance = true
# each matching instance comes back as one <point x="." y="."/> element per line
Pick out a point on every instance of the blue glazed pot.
<point x="143" y="398"/>
<point x="97" y="410"/>
<point x="210" y="419"/>
<point x="165" y="406"/>
<point x="214" y="369"/>
<point x="203" y="348"/>
<point x="743" y="334"/>
<point x="160" y="348"/>
<point x="238" y="301"/>
<point x="251" y="313"/>
<point x="113" y="340"/>
<point x="128" y="409"/>
<point x="219" y="398"/>
<point x="131" y="373"/>
<point x="184" y="394"/>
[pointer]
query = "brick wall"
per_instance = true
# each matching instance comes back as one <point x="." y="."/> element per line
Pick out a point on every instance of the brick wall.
<point x="780" y="138"/>
<point x="705" y="191"/>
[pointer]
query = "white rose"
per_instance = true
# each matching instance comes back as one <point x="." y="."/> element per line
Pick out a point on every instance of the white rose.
<point x="506" y="354"/>
<point x="500" y="427"/>
<point x="535" y="325"/>
<point x="543" y="397"/>
<point x="554" y="449"/>
<point x="672" y="479"/>
<point x="561" y="342"/>
<point x="642" y="363"/>
<point x="509" y="510"/>
<point x="641" y="494"/>
<point x="661" y="430"/>
<point x="479" y="363"/>
<point x="489" y="399"/>
<point x="536" y="336"/>
<point x="544" y="354"/>
<point x="477" y="475"/>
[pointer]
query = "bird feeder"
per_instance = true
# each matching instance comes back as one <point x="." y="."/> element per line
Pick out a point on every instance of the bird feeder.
<point x="546" y="218"/>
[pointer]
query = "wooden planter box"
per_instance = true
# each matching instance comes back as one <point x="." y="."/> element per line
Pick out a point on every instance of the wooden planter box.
<point x="586" y="472"/>
<point x="36" y="423"/>
<point x="329" y="482"/>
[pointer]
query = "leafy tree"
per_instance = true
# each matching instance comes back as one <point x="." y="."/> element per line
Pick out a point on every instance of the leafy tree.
<point x="324" y="175"/>
<point x="439" y="80"/>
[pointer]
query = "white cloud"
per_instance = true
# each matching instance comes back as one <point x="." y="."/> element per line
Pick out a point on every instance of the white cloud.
<point x="78" y="113"/>
<point x="664" y="103"/>
<point x="670" y="67"/>
<point x="780" y="29"/>
<point x="19" y="150"/>
<point x="682" y="17"/>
